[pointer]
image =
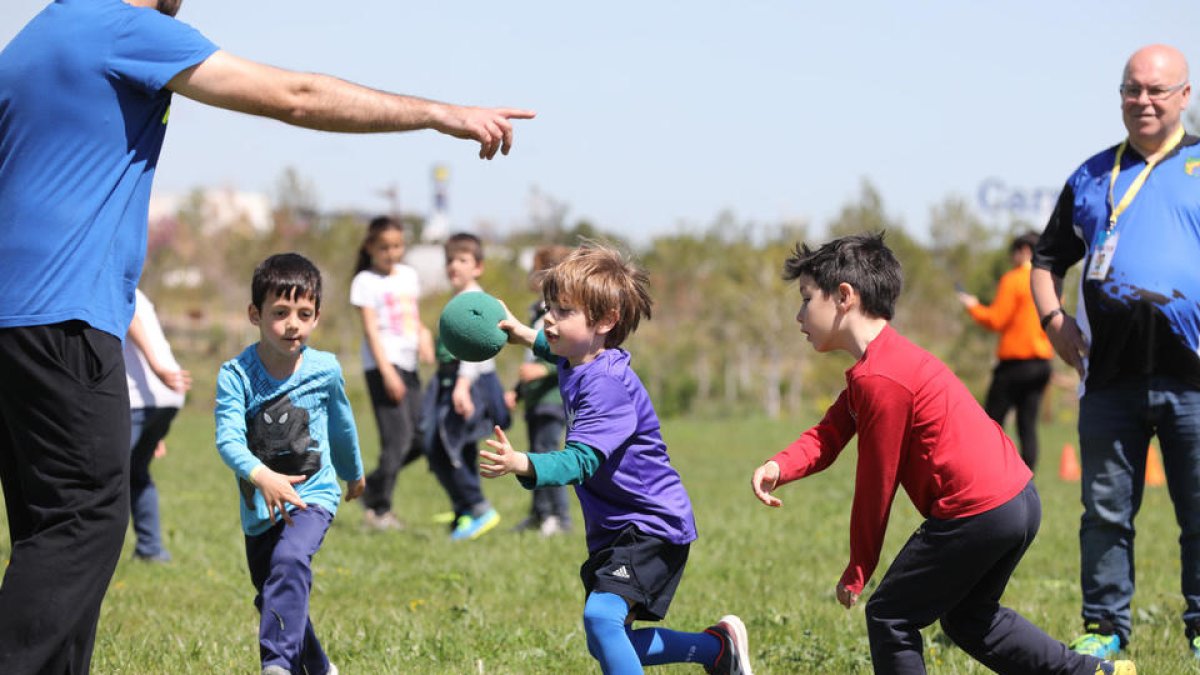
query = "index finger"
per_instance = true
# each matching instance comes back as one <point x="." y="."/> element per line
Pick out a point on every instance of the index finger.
<point x="516" y="113"/>
<point x="500" y="435"/>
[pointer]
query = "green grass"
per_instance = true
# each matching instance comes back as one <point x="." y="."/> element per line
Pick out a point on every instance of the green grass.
<point x="412" y="602"/>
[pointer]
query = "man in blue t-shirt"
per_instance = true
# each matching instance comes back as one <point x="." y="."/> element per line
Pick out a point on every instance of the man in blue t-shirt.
<point x="85" y="93"/>
<point x="1132" y="214"/>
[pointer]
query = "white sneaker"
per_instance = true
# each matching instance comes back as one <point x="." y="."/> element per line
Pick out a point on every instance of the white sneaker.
<point x="551" y="526"/>
<point x="382" y="521"/>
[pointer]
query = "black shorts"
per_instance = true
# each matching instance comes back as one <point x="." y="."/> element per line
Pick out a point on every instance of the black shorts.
<point x="643" y="569"/>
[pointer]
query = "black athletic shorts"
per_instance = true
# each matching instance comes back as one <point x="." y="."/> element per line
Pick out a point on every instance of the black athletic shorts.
<point x="643" y="569"/>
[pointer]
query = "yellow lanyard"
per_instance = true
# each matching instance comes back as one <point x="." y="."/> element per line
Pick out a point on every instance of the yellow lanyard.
<point x="1137" y="183"/>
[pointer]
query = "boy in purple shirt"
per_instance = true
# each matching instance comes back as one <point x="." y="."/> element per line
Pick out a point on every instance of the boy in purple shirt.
<point x="637" y="513"/>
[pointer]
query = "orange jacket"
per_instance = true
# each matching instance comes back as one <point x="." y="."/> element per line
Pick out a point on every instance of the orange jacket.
<point x="1014" y="316"/>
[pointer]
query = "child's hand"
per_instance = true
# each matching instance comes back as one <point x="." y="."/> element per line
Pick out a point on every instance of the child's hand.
<point x="532" y="370"/>
<point x="177" y="380"/>
<point x="393" y="384"/>
<point x="510" y="399"/>
<point x="355" y="489"/>
<point x="846" y="596"/>
<point x="277" y="491"/>
<point x="765" y="480"/>
<point x="504" y="460"/>
<point x="461" y="398"/>
<point x="518" y="333"/>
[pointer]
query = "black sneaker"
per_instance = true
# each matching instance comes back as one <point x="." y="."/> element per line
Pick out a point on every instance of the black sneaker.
<point x="734" y="657"/>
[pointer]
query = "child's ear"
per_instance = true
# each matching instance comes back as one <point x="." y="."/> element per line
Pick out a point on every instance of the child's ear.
<point x="606" y="322"/>
<point x="253" y="313"/>
<point x="845" y="296"/>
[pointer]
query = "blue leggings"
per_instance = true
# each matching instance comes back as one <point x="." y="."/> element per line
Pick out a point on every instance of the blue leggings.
<point x="623" y="651"/>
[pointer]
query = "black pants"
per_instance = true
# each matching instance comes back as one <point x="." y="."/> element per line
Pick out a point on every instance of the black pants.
<point x="64" y="453"/>
<point x="1019" y="384"/>
<point x="399" y="437"/>
<point x="956" y="571"/>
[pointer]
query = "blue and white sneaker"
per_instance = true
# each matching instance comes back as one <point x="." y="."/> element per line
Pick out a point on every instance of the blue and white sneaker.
<point x="469" y="528"/>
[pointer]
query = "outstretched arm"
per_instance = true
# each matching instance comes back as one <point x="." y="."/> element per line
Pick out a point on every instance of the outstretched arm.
<point x="327" y="103"/>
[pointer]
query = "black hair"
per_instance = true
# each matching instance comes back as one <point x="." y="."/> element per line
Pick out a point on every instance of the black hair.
<point x="464" y="242"/>
<point x="861" y="260"/>
<point x="376" y="227"/>
<point x="287" y="275"/>
<point x="1028" y="239"/>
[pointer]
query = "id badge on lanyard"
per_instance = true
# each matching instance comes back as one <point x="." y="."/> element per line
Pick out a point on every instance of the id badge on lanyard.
<point x="1102" y="255"/>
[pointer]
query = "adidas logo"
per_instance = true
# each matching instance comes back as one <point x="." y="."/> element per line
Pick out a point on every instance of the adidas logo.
<point x="621" y="572"/>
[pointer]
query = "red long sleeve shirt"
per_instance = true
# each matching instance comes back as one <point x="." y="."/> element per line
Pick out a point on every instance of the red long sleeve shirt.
<point x="917" y="427"/>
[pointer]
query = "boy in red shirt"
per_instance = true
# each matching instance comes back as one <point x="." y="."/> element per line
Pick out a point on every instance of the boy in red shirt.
<point x="918" y="427"/>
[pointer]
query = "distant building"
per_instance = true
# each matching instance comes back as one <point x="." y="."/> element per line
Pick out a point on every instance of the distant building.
<point x="222" y="208"/>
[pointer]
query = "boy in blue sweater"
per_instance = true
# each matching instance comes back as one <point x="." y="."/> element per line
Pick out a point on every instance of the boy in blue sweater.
<point x="285" y="427"/>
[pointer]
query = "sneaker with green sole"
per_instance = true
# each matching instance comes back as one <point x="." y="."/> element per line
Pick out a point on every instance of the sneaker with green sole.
<point x="469" y="528"/>
<point x="1099" y="640"/>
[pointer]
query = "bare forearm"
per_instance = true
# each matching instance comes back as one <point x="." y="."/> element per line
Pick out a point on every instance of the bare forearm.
<point x="1046" y="289"/>
<point x="326" y="103"/>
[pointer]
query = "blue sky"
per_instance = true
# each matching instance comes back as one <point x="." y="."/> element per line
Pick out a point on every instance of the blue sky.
<point x="658" y="115"/>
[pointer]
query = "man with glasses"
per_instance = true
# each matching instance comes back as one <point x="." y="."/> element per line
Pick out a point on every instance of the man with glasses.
<point x="85" y="94"/>
<point x="1132" y="214"/>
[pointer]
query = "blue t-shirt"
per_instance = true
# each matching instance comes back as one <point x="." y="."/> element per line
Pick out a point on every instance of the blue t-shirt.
<point x="608" y="409"/>
<point x="83" y="113"/>
<point x="299" y="426"/>
<point x="1143" y="318"/>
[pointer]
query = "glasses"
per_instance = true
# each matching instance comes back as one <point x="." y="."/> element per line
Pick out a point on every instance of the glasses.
<point x="1134" y="91"/>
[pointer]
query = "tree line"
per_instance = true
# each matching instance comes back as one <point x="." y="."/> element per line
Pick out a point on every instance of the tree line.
<point x="722" y="341"/>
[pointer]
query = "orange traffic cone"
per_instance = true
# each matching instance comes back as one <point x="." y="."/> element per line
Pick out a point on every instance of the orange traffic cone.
<point x="1068" y="463"/>
<point x="1154" y="468"/>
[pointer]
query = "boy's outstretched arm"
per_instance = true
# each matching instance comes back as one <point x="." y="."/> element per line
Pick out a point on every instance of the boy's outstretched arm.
<point x="277" y="491"/>
<point x="504" y="460"/>
<point x="764" y="482"/>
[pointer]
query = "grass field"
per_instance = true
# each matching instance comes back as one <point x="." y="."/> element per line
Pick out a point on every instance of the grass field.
<point x="413" y="602"/>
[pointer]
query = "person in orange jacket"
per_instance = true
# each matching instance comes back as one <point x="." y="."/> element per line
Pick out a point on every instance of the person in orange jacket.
<point x="1024" y="351"/>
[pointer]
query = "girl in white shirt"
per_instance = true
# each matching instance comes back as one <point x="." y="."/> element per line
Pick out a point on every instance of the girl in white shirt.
<point x="386" y="292"/>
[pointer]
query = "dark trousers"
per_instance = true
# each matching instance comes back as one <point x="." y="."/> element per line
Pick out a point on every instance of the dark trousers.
<point x="64" y="459"/>
<point x="956" y="571"/>
<point x="398" y="436"/>
<point x="461" y="480"/>
<point x="546" y="435"/>
<point x="1019" y="384"/>
<point x="280" y="561"/>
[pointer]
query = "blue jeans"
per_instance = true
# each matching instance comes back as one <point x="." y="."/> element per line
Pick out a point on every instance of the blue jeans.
<point x="1115" y="428"/>
<point x="148" y="426"/>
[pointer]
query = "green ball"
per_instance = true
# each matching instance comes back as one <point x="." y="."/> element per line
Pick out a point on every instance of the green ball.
<point x="468" y="327"/>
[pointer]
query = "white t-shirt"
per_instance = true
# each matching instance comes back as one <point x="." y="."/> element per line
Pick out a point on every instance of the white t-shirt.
<point x="395" y="300"/>
<point x="145" y="389"/>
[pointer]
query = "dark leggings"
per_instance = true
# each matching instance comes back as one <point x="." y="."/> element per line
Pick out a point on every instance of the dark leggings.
<point x="1019" y="384"/>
